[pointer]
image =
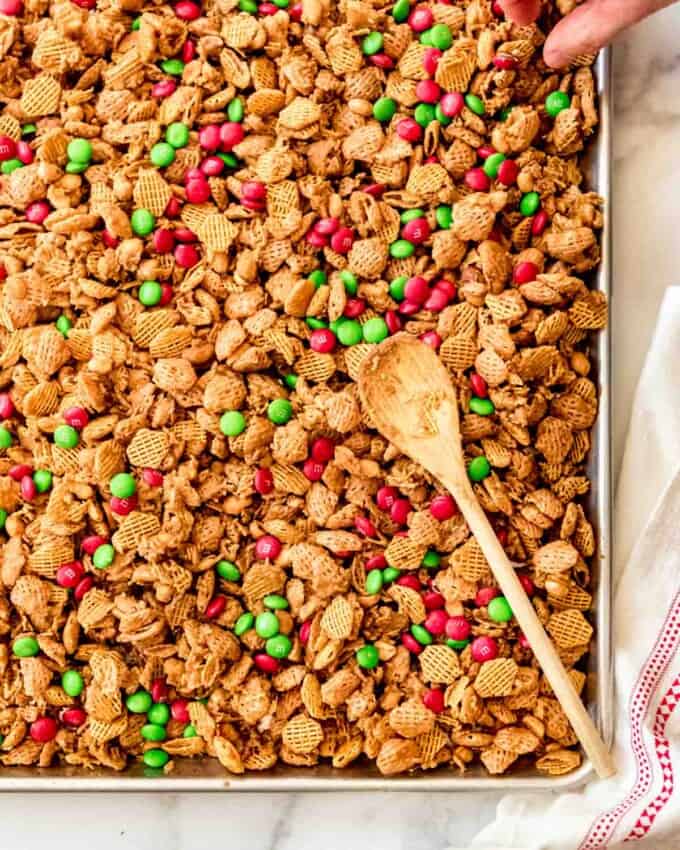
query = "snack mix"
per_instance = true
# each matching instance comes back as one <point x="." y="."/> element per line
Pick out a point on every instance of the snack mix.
<point x="209" y="214"/>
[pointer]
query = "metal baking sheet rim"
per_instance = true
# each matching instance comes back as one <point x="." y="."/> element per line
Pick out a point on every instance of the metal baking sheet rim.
<point x="207" y="775"/>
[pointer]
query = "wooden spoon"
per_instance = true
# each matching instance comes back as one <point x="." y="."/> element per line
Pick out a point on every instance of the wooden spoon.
<point x="409" y="397"/>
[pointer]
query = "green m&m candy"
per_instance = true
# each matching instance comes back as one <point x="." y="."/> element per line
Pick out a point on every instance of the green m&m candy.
<point x="150" y="293"/>
<point x="173" y="66"/>
<point x="155" y="758"/>
<point x="431" y="559"/>
<point x="372" y="43"/>
<point x="266" y="624"/>
<point x="162" y="154"/>
<point x="244" y="624"/>
<point x="384" y="109"/>
<point x="159" y="713"/>
<point x="103" y="556"/>
<point x="440" y="37"/>
<point x="444" y="216"/>
<point x="475" y="104"/>
<point x="25" y="647"/>
<point x="275" y="602"/>
<point x="481" y="406"/>
<point x="249" y="6"/>
<point x="314" y="323"/>
<point x="228" y="159"/>
<point x="77" y="167"/>
<point x="278" y="646"/>
<point x="72" y="683"/>
<point x="499" y="610"/>
<point x="410" y="215"/>
<point x="335" y="324"/>
<point x="367" y="657"/>
<point x="349" y="332"/>
<point x="424" y="114"/>
<point x="6" y="438"/>
<point x="136" y="24"/>
<point x="421" y="634"/>
<point x="375" y="330"/>
<point x="66" y="437"/>
<point x="79" y="150"/>
<point x="318" y="277"/>
<point x="279" y="411"/>
<point x="63" y="325"/>
<point x="228" y="571"/>
<point x="189" y="731"/>
<point x="153" y="732"/>
<point x="555" y="102"/>
<point x="397" y="287"/>
<point x="142" y="222"/>
<point x="177" y="134"/>
<point x="479" y="469"/>
<point x="232" y="423"/>
<point x="350" y="281"/>
<point x="530" y="203"/>
<point x="440" y="116"/>
<point x="401" y="249"/>
<point x="42" y="478"/>
<point x="457" y="644"/>
<point x="390" y="574"/>
<point x="3" y="518"/>
<point x="235" y="110"/>
<point x="401" y="11"/>
<point x="10" y="165"/>
<point x="123" y="485"/>
<point x="492" y="164"/>
<point x="374" y="582"/>
<point x="139" y="702"/>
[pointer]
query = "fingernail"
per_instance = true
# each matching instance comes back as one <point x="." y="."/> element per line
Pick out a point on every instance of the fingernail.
<point x="556" y="58"/>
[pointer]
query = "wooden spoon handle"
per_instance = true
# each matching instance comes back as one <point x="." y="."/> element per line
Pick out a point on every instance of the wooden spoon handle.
<point x="524" y="612"/>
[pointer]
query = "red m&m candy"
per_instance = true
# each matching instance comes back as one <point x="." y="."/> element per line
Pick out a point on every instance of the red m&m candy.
<point x="267" y="546"/>
<point x="264" y="481"/>
<point x="443" y="507"/>
<point x="435" y="622"/>
<point x="323" y="449"/>
<point x="457" y="628"/>
<point x="485" y="595"/>
<point x="43" y="729"/>
<point x="8" y="148"/>
<point x="77" y="417"/>
<point x="409" y="580"/>
<point x="312" y="469"/>
<point x="69" y="575"/>
<point x="433" y="699"/>
<point x="386" y="497"/>
<point x="484" y="648"/>
<point x="179" y="710"/>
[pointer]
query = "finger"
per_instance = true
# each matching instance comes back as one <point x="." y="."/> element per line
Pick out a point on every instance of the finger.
<point x="592" y="25"/>
<point x="521" y="12"/>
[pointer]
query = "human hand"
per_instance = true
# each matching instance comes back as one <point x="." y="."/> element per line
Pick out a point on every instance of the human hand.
<point x="585" y="30"/>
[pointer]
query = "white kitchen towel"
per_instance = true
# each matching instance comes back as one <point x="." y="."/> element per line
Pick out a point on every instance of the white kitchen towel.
<point x="642" y="802"/>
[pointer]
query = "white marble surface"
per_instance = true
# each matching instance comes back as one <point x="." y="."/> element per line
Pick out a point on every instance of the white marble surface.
<point x="647" y="255"/>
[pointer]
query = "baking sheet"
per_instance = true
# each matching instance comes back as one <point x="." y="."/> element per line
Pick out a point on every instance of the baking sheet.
<point x="208" y="775"/>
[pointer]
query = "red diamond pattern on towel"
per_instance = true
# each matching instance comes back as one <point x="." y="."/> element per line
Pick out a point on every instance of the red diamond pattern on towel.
<point x="662" y="748"/>
<point x="659" y="659"/>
